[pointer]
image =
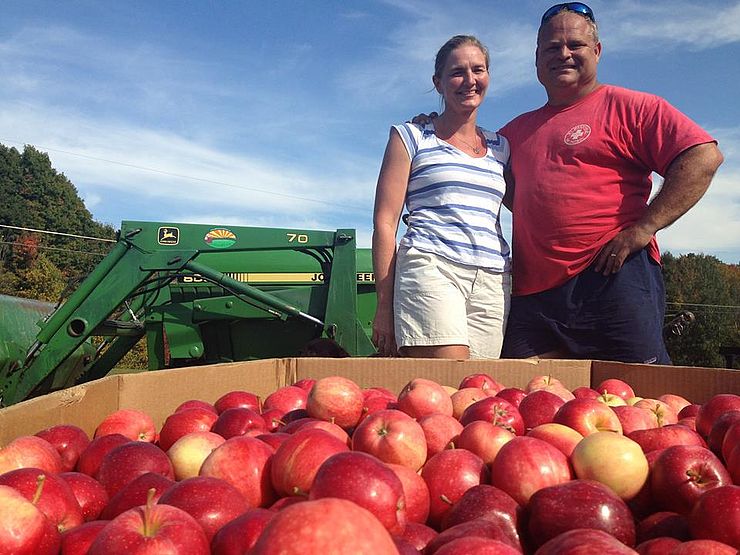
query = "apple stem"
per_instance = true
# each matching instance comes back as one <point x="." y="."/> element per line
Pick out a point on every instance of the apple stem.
<point x="40" y="481"/>
<point x="445" y="499"/>
<point x="298" y="491"/>
<point x="148" y="511"/>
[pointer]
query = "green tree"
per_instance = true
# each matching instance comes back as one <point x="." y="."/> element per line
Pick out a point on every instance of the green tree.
<point x="36" y="196"/>
<point x="707" y="288"/>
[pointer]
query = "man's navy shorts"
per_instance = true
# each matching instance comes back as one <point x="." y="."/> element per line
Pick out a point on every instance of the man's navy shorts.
<point x="617" y="317"/>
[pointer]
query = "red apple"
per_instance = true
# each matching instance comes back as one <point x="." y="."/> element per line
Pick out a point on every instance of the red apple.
<point x="77" y="541"/>
<point x="680" y="474"/>
<point x="195" y="404"/>
<point x="314" y="424"/>
<point x="393" y="437"/>
<point x="635" y="418"/>
<point x="539" y="407"/>
<point x="584" y="541"/>
<point x="366" y="481"/>
<point x="55" y="499"/>
<point x="379" y="392"/>
<point x="324" y="526"/>
<point x="562" y="437"/>
<point x="449" y="474"/>
<point x="239" y="536"/>
<point x="484" y="439"/>
<point x="676" y="402"/>
<point x="273" y="419"/>
<point x="30" y="452"/>
<point x="24" y="529"/>
<point x="689" y="410"/>
<point x="184" y="422"/>
<point x="654" y="439"/>
<point x="233" y="422"/>
<point x="136" y="493"/>
<point x="512" y="394"/>
<point x="703" y="547"/>
<point x="210" y="501"/>
<point x="490" y="503"/>
<point x="273" y="439"/>
<point x="716" y="516"/>
<point x="733" y="464"/>
<point x="465" y="397"/>
<point x="730" y="441"/>
<point x="418" y="535"/>
<point x="134" y="424"/>
<point x="127" y="462"/>
<point x="336" y="399"/>
<point x="657" y="546"/>
<point x="585" y="392"/>
<point x="68" y="440"/>
<point x="476" y="528"/>
<point x="151" y="529"/>
<point x="89" y="493"/>
<point x="663" y="412"/>
<point x="477" y="545"/>
<point x="283" y="502"/>
<point x="663" y="524"/>
<point x="375" y="404"/>
<point x="415" y="491"/>
<point x="578" y="504"/>
<point x="286" y="399"/>
<point x="421" y="397"/>
<point x="525" y="465"/>
<point x="712" y="409"/>
<point x="718" y="430"/>
<point x="617" y="387"/>
<point x="612" y="459"/>
<point x="497" y="411"/>
<point x="548" y="383"/>
<point x="296" y="461"/>
<point x="244" y="462"/>
<point x="188" y="453"/>
<point x="238" y="400"/>
<point x="440" y="431"/>
<point x="92" y="456"/>
<point x="587" y="416"/>
<point x="305" y="384"/>
<point x="482" y="381"/>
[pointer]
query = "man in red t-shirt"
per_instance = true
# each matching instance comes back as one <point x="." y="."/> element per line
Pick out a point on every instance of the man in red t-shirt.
<point x="586" y="275"/>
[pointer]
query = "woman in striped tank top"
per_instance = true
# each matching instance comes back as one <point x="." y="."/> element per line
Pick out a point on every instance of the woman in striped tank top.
<point x="444" y="290"/>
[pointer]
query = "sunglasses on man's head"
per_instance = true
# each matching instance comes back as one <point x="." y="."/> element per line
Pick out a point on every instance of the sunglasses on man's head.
<point x="577" y="7"/>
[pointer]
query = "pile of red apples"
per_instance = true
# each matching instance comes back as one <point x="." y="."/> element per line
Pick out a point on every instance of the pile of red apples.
<point x="325" y="467"/>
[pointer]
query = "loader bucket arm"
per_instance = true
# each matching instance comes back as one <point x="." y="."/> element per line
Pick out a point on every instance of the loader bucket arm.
<point x="135" y="260"/>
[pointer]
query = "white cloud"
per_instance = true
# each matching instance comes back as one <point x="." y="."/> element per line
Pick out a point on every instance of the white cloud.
<point x="713" y="225"/>
<point x="631" y="25"/>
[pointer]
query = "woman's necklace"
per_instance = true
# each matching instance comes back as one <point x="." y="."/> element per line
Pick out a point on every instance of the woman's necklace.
<point x="475" y="148"/>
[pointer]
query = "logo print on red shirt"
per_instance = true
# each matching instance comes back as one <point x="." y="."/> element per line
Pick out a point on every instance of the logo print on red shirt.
<point x="577" y="134"/>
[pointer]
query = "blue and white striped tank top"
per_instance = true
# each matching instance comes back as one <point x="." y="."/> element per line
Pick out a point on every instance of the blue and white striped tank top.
<point x="454" y="199"/>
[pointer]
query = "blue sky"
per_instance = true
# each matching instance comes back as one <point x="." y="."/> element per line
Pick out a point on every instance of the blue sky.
<point x="277" y="113"/>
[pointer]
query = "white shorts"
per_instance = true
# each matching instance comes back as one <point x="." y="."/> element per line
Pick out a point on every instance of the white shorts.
<point x="440" y="302"/>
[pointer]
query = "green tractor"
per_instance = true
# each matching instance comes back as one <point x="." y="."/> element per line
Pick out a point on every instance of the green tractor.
<point x="200" y="294"/>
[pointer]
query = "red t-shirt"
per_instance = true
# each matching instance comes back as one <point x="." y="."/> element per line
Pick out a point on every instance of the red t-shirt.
<point x="582" y="174"/>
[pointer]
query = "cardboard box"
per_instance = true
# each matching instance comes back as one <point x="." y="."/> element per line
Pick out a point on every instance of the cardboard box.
<point x="160" y="392"/>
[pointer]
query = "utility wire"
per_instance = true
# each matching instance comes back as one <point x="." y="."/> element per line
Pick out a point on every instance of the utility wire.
<point x="54" y="248"/>
<point x="705" y="305"/>
<point x="57" y="233"/>
<point x="182" y="176"/>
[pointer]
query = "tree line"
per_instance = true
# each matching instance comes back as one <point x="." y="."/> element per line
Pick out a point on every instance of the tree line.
<point x="702" y="292"/>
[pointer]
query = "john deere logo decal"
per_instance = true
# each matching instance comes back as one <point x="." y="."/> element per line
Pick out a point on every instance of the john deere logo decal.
<point x="220" y="238"/>
<point x="168" y="236"/>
